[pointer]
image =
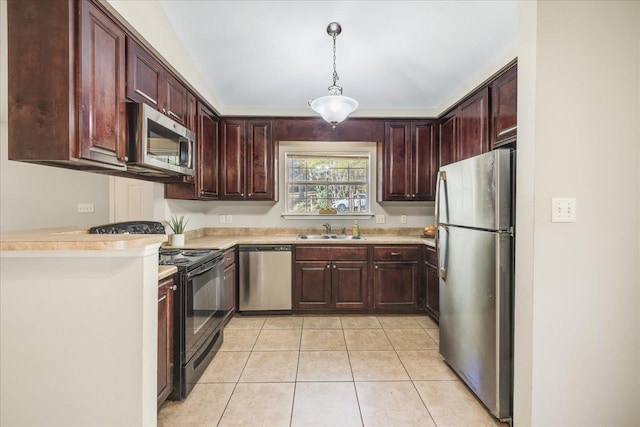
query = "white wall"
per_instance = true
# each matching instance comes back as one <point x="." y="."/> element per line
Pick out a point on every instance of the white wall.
<point x="35" y="196"/>
<point x="578" y="285"/>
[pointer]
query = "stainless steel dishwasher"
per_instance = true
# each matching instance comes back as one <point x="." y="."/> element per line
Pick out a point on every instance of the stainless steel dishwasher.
<point x="265" y="278"/>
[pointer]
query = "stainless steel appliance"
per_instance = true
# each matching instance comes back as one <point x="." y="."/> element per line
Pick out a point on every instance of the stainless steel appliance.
<point x="158" y="145"/>
<point x="265" y="278"/>
<point x="475" y="242"/>
<point x="198" y="307"/>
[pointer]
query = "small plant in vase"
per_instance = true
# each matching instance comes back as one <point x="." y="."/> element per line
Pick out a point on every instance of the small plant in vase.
<point x="177" y="225"/>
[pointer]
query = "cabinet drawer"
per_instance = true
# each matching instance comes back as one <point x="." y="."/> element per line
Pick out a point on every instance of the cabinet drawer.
<point x="331" y="253"/>
<point x="349" y="253"/>
<point x="396" y="253"/>
<point x="431" y="256"/>
<point x="229" y="257"/>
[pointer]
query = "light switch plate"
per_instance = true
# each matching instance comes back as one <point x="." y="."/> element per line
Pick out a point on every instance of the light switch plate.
<point x="380" y="219"/>
<point x="563" y="209"/>
<point x="403" y="219"/>
<point x="223" y="219"/>
<point x="229" y="219"/>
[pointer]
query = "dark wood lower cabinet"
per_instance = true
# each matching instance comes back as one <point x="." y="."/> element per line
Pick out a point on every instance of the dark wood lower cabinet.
<point x="395" y="285"/>
<point x="432" y="283"/>
<point x="230" y="284"/>
<point x="312" y="288"/>
<point x="165" y="339"/>
<point x="349" y="284"/>
<point x="343" y="278"/>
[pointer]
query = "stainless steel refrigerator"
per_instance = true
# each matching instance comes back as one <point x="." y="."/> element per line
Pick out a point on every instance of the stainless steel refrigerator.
<point x="475" y="241"/>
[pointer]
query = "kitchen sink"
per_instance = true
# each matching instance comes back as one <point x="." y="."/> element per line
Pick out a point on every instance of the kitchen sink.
<point x="328" y="237"/>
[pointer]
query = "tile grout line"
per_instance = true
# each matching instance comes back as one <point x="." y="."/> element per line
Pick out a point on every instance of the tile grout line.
<point x="353" y="379"/>
<point x="295" y="380"/>
<point x="238" y="380"/>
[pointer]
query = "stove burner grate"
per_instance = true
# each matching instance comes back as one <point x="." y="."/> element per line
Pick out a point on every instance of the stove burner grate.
<point x="177" y="261"/>
<point x="170" y="251"/>
<point x="197" y="252"/>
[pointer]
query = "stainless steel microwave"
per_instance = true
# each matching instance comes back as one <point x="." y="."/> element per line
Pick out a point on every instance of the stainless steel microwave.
<point x="158" y="145"/>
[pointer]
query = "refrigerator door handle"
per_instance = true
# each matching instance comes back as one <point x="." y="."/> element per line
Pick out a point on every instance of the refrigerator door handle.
<point x="442" y="252"/>
<point x="442" y="177"/>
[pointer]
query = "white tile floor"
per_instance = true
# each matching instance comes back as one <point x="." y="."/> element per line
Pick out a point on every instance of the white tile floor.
<point x="328" y="371"/>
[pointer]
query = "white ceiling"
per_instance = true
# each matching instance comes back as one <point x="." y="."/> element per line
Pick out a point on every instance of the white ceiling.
<point x="401" y="56"/>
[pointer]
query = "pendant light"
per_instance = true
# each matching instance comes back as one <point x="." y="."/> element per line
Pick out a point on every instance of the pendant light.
<point x="334" y="108"/>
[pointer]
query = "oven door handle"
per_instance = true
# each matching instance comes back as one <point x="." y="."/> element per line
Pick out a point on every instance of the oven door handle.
<point x="204" y="269"/>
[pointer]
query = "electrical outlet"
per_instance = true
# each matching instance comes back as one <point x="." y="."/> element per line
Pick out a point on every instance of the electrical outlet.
<point x="229" y="219"/>
<point x="85" y="208"/>
<point x="563" y="209"/>
<point x="223" y="219"/>
<point x="380" y="219"/>
<point x="403" y="219"/>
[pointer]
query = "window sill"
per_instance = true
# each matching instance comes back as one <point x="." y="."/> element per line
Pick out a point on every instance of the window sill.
<point x="351" y="215"/>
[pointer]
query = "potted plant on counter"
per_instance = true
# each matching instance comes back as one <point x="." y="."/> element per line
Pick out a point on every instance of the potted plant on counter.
<point x="177" y="225"/>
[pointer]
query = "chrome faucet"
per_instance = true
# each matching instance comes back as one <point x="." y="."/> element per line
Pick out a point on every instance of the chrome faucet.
<point x="327" y="227"/>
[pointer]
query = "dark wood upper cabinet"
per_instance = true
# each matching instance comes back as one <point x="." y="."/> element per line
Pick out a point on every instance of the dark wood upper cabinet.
<point x="424" y="160"/>
<point x="192" y="113"/>
<point x="408" y="162"/>
<point x="232" y="159"/>
<point x="504" y="108"/>
<point x="102" y="76"/>
<point x="205" y="184"/>
<point x="247" y="160"/>
<point x="447" y="142"/>
<point x="67" y="85"/>
<point x="473" y="125"/>
<point x="260" y="176"/>
<point x="208" y="153"/>
<point x="149" y="81"/>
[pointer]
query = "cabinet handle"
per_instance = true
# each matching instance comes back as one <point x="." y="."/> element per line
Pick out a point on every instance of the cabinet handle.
<point x="328" y="265"/>
<point x="408" y="196"/>
<point x="174" y="287"/>
<point x="249" y="194"/>
<point x="334" y="266"/>
<point x="123" y="159"/>
<point x="396" y="253"/>
<point x="413" y="195"/>
<point x="376" y="267"/>
<point x="241" y="194"/>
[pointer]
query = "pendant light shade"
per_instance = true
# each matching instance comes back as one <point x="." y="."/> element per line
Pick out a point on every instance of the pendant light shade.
<point x="334" y="108"/>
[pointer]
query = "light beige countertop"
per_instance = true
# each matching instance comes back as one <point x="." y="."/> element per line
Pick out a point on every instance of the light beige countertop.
<point x="226" y="238"/>
<point x="165" y="271"/>
<point x="74" y="239"/>
<point x="77" y="239"/>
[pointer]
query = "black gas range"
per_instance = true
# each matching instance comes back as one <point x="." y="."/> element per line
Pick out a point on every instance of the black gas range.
<point x="199" y="303"/>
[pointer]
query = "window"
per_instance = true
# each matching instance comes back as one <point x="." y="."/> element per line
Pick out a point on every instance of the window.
<point x="316" y="181"/>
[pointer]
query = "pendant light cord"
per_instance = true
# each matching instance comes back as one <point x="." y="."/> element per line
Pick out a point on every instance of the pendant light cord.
<point x="335" y="73"/>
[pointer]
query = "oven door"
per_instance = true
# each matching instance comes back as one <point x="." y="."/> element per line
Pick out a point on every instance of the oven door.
<point x="203" y="304"/>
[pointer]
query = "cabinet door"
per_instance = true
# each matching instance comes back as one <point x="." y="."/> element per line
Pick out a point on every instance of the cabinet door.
<point x="208" y="147"/>
<point x="395" y="285"/>
<point x="504" y="108"/>
<point x="260" y="156"/>
<point x="433" y="290"/>
<point x="165" y="339"/>
<point x="396" y="182"/>
<point x="103" y="96"/>
<point x="473" y="120"/>
<point x="447" y="141"/>
<point x="175" y="99"/>
<point x="192" y="113"/>
<point x="423" y="158"/>
<point x="312" y="289"/>
<point x="232" y="159"/>
<point x="144" y="76"/>
<point x="349" y="285"/>
<point x="229" y="300"/>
